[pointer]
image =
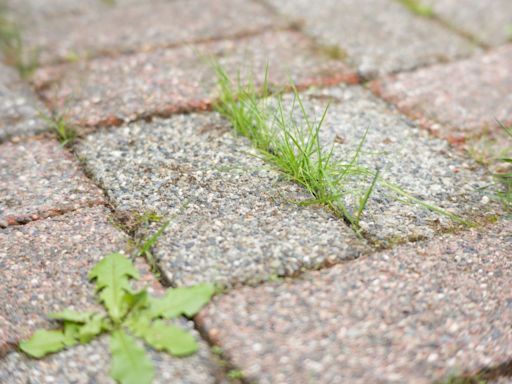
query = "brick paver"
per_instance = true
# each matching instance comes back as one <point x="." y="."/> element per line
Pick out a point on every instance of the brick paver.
<point x="231" y="220"/>
<point x="41" y="179"/>
<point x="112" y="90"/>
<point x="459" y="99"/>
<point x="68" y="30"/>
<point x="19" y="108"/>
<point x="379" y="36"/>
<point x="487" y="21"/>
<point x="414" y="314"/>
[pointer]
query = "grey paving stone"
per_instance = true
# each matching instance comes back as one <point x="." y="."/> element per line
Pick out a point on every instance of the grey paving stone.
<point x="379" y="36"/>
<point x="427" y="168"/>
<point x="456" y="107"/>
<point x="69" y="30"/>
<point x="488" y="21"/>
<point x="109" y="91"/>
<point x="414" y="314"/>
<point x="231" y="220"/>
<point x="84" y="364"/>
<point x="41" y="179"/>
<point x="45" y="265"/>
<point x="19" y="107"/>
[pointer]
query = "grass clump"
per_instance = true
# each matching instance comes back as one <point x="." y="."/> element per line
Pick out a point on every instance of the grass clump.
<point x="291" y="147"/>
<point x="129" y="314"/>
<point x="15" y="53"/>
<point x="58" y="124"/>
<point x="295" y="149"/>
<point x="417" y="8"/>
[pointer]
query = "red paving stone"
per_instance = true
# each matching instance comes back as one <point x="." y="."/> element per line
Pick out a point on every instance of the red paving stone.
<point x="112" y="90"/>
<point x="456" y="100"/>
<point x="414" y="314"/>
<point x="41" y="179"/>
<point x="45" y="265"/>
<point x="67" y="30"/>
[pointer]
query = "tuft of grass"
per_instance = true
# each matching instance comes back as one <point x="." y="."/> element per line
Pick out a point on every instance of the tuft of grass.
<point x="145" y="247"/>
<point x="294" y="148"/>
<point x="505" y="177"/>
<point x="15" y="53"/>
<point x="417" y="8"/>
<point x="58" y="124"/>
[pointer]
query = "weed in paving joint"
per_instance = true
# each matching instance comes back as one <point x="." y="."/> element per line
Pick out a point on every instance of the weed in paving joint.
<point x="15" y="53"/>
<point x="58" y="124"/>
<point x="294" y="148"/>
<point x="129" y="313"/>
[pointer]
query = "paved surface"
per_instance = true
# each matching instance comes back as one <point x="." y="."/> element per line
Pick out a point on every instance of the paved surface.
<point x="410" y="315"/>
<point x="415" y="298"/>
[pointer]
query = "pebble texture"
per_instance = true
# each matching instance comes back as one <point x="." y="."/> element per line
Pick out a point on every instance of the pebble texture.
<point x="415" y="314"/>
<point x="40" y="179"/>
<point x="113" y="90"/>
<point x="231" y="220"/>
<point x="19" y="108"/>
<point x="44" y="269"/>
<point x="456" y="106"/>
<point x="72" y="30"/>
<point x="488" y="21"/>
<point x="425" y="167"/>
<point x="85" y="364"/>
<point x="379" y="36"/>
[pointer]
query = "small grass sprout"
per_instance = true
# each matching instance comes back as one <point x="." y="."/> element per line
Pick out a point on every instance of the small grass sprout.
<point x="505" y="177"/>
<point x="129" y="314"/>
<point x="59" y="125"/>
<point x="416" y="7"/>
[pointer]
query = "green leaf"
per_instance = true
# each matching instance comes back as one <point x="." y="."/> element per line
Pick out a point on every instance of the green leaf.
<point x="175" y="340"/>
<point x="70" y="315"/>
<point x="43" y="342"/>
<point x="182" y="301"/>
<point x="112" y="276"/>
<point x="130" y="365"/>
<point x="71" y="330"/>
<point x="92" y="328"/>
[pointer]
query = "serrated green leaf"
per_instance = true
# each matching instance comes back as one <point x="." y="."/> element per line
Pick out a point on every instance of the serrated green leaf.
<point x="43" y="342"/>
<point x="92" y="328"/>
<point x="136" y="301"/>
<point x="171" y="338"/>
<point x="130" y="365"/>
<point x="112" y="276"/>
<point x="70" y="315"/>
<point x="182" y="301"/>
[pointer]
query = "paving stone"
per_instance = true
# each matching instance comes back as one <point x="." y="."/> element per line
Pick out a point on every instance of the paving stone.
<point x="112" y="90"/>
<point x="414" y="314"/>
<point x="19" y="107"/>
<point x="456" y="106"/>
<point x="489" y="22"/>
<point x="231" y="218"/>
<point x="45" y="265"/>
<point x="84" y="364"/>
<point x="407" y="156"/>
<point x="40" y="179"/>
<point x="70" y="30"/>
<point x="379" y="36"/>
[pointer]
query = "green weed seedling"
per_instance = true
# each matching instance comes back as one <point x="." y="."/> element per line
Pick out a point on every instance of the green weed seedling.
<point x="58" y="124"/>
<point x="15" y="53"/>
<point x="129" y="314"/>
